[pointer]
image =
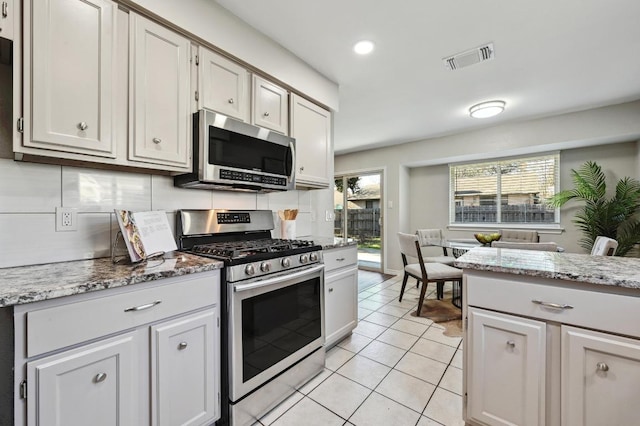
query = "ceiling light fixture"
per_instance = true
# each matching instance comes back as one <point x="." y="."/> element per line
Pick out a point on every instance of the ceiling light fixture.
<point x="363" y="47"/>
<point x="486" y="109"/>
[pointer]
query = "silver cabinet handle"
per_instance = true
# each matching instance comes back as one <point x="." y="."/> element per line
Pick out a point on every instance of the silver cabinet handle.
<point x="601" y="366"/>
<point x="83" y="126"/>
<point x="551" y="305"/>
<point x="5" y="13"/>
<point x="340" y="259"/>
<point x="230" y="100"/>
<point x="330" y="289"/>
<point x="266" y="114"/>
<point x="156" y="140"/>
<point x="143" y="307"/>
<point x="511" y="344"/>
<point x="100" y="377"/>
<point x="182" y="345"/>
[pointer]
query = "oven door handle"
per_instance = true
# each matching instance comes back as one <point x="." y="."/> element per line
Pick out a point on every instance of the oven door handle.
<point x="244" y="287"/>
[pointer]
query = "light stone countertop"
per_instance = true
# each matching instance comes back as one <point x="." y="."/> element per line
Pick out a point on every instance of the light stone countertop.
<point x="26" y="284"/>
<point x="601" y="270"/>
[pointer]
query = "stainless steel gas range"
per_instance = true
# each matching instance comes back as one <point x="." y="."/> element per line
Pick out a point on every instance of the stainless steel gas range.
<point x="272" y="322"/>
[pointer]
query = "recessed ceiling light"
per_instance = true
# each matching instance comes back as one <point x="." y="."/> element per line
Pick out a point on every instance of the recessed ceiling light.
<point x="486" y="109"/>
<point x="363" y="47"/>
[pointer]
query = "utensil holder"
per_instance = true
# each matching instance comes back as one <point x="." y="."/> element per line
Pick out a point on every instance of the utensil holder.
<point x="288" y="229"/>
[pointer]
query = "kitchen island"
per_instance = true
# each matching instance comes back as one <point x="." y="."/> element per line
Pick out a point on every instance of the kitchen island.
<point x="550" y="338"/>
<point x="90" y="342"/>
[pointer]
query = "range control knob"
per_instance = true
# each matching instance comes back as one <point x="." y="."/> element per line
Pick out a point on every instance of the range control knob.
<point x="249" y="269"/>
<point x="265" y="266"/>
<point x="286" y="262"/>
<point x="313" y="257"/>
<point x="304" y="258"/>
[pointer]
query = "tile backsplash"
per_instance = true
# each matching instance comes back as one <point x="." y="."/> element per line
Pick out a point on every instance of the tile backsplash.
<point x="30" y="193"/>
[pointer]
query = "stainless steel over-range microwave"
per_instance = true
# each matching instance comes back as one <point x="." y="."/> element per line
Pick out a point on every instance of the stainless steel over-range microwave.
<point x="232" y="155"/>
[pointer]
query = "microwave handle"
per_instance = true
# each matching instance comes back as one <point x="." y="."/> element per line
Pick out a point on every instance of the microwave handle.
<point x="292" y="150"/>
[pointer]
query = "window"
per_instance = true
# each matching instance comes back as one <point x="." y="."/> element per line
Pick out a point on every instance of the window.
<point x="512" y="191"/>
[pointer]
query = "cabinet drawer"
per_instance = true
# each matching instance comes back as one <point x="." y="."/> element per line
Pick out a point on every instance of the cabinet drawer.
<point x="340" y="257"/>
<point x="56" y="327"/>
<point x="593" y="309"/>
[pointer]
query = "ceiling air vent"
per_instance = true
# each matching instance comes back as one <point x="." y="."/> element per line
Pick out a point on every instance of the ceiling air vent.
<point x="470" y="57"/>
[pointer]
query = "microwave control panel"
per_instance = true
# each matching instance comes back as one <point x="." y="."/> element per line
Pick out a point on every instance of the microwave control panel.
<point x="238" y="176"/>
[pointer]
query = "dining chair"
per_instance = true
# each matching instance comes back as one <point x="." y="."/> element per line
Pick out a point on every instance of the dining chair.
<point x="604" y="246"/>
<point x="424" y="272"/>
<point x="517" y="236"/>
<point x="525" y="246"/>
<point x="425" y="236"/>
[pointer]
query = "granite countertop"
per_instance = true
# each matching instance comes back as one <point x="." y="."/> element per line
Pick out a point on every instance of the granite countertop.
<point x="328" y="243"/>
<point x="602" y="270"/>
<point x="26" y="284"/>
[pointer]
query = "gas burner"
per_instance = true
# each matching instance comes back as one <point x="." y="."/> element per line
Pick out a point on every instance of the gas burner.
<point x="234" y="250"/>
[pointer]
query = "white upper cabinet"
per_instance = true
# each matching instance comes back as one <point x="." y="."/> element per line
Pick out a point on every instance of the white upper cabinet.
<point x="224" y="86"/>
<point x="311" y="127"/>
<point x="159" y="95"/>
<point x="69" y="64"/>
<point x="270" y="105"/>
<point x="6" y="19"/>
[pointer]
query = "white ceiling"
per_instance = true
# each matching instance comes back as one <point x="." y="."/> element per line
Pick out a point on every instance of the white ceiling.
<point x="551" y="57"/>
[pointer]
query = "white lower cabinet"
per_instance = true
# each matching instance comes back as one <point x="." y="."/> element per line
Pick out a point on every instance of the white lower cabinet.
<point x="600" y="378"/>
<point x="340" y="293"/>
<point x="532" y="356"/>
<point x="507" y="369"/>
<point x="184" y="378"/>
<point x="151" y="357"/>
<point x="91" y="385"/>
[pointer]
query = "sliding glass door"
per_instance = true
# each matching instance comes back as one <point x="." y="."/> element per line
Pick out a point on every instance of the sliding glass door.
<point x="358" y="215"/>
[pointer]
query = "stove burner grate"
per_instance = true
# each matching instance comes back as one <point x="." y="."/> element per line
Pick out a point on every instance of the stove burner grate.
<point x="247" y="249"/>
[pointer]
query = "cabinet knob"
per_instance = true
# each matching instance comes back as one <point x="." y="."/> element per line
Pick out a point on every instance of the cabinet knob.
<point x="511" y="344"/>
<point x="182" y="345"/>
<point x="330" y="289"/>
<point x="83" y="125"/>
<point x="100" y="377"/>
<point x="301" y="169"/>
<point x="230" y="100"/>
<point x="601" y="366"/>
<point x="266" y="114"/>
<point x="156" y="140"/>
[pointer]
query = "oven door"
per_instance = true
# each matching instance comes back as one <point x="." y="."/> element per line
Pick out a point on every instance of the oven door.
<point x="273" y="323"/>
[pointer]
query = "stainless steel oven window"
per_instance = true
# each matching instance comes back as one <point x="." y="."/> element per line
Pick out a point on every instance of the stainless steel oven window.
<point x="274" y="324"/>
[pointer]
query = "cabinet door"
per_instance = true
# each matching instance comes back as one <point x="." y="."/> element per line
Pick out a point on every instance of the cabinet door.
<point x="185" y="366"/>
<point x="224" y="85"/>
<point x="71" y="66"/>
<point x="6" y="19"/>
<point x="600" y="378"/>
<point x="91" y="385"/>
<point x="311" y="127"/>
<point x="270" y="106"/>
<point x="506" y="377"/>
<point x="159" y="109"/>
<point x="341" y="304"/>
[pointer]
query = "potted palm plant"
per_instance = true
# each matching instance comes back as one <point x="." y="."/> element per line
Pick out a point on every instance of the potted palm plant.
<point x="614" y="217"/>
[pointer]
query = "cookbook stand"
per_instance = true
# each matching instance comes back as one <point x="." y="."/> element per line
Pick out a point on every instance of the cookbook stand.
<point x="120" y="255"/>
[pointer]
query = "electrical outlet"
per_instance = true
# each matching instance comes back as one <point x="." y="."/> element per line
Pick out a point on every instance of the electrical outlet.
<point x="329" y="215"/>
<point x="66" y="219"/>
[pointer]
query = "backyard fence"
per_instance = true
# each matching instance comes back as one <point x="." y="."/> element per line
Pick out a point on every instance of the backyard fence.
<point x="518" y="213"/>
<point x="363" y="224"/>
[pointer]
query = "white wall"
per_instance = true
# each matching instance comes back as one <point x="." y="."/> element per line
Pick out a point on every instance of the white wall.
<point x="596" y="127"/>
<point x="29" y="194"/>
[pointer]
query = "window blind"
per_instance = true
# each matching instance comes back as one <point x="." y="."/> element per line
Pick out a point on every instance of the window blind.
<point x="511" y="190"/>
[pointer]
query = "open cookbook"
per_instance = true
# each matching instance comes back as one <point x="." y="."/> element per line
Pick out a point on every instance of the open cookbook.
<point x="146" y="234"/>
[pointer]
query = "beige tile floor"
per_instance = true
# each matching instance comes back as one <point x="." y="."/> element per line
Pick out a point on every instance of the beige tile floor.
<point x="395" y="369"/>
